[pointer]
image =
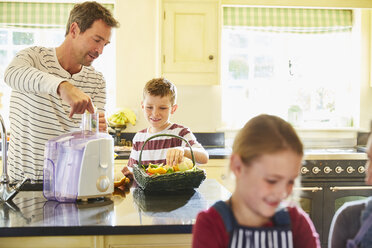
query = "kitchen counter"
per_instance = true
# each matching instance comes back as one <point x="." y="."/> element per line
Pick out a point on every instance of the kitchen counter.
<point x="132" y="213"/>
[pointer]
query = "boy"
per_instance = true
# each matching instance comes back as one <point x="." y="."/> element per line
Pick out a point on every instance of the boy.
<point x="159" y="103"/>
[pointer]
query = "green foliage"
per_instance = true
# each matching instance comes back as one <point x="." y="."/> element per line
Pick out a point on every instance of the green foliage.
<point x="23" y="38"/>
<point x="238" y="69"/>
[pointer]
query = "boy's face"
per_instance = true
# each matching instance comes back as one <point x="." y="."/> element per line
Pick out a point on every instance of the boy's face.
<point x="157" y="111"/>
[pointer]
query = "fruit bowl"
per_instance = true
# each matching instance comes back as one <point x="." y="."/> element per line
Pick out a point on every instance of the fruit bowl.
<point x="165" y="183"/>
<point x="121" y="118"/>
<point x="116" y="125"/>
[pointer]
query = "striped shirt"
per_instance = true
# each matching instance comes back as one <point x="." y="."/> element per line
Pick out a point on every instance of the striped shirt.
<point x="155" y="150"/>
<point x="37" y="113"/>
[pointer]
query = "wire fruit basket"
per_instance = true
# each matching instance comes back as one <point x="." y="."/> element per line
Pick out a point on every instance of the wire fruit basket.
<point x="177" y="181"/>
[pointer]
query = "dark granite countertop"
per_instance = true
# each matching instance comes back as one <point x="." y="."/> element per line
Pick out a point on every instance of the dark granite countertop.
<point x="132" y="213"/>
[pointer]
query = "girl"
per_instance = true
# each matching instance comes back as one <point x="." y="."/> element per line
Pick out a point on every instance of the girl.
<point x="266" y="160"/>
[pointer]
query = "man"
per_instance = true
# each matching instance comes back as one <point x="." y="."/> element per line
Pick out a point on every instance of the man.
<point x="51" y="85"/>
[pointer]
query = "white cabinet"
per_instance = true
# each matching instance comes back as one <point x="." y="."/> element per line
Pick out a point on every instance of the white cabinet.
<point x="190" y="42"/>
<point x="218" y="169"/>
<point x="153" y="241"/>
<point x="107" y="241"/>
<point x="119" y="164"/>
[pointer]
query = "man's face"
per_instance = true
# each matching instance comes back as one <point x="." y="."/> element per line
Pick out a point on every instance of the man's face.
<point x="89" y="45"/>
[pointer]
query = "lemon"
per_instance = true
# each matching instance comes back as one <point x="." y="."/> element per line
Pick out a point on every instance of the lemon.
<point x="185" y="165"/>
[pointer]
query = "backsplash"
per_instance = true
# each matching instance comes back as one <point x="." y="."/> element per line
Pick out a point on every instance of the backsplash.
<point x="362" y="138"/>
<point x="208" y="140"/>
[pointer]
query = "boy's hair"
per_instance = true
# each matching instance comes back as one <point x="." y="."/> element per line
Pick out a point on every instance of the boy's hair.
<point x="85" y="14"/>
<point x="161" y="87"/>
<point x="266" y="134"/>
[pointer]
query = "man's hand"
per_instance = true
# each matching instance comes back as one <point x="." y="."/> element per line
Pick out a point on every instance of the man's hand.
<point x="175" y="155"/>
<point x="78" y="100"/>
<point x="102" y="122"/>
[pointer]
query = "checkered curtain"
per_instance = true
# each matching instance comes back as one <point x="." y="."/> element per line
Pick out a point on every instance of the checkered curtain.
<point x="40" y="15"/>
<point x="289" y="19"/>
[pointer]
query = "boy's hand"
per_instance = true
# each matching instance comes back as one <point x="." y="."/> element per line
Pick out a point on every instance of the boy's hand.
<point x="175" y="155"/>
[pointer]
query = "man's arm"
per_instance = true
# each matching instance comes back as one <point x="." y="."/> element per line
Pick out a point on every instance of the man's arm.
<point x="24" y="73"/>
<point x="78" y="100"/>
<point x="28" y="73"/>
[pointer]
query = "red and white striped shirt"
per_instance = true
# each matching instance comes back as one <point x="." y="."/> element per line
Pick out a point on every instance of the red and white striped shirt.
<point x="155" y="150"/>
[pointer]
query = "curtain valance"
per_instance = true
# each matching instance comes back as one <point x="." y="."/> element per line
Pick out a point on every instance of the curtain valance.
<point x="41" y="15"/>
<point x="289" y="19"/>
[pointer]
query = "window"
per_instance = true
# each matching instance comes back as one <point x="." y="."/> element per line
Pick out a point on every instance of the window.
<point x="301" y="75"/>
<point x="15" y="37"/>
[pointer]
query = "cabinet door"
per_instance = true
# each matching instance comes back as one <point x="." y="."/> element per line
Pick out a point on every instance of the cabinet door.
<point x="53" y="242"/>
<point x="190" y="42"/>
<point x="153" y="241"/>
<point x="218" y="169"/>
<point x="120" y="164"/>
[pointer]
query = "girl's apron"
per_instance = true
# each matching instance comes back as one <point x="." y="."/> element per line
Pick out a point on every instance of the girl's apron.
<point x="278" y="236"/>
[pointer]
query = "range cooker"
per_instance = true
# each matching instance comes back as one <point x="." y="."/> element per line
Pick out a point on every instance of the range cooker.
<point x="329" y="178"/>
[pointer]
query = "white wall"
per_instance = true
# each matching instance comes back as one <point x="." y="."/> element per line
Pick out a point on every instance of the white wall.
<point x="365" y="80"/>
<point x="137" y="60"/>
<point x="137" y="51"/>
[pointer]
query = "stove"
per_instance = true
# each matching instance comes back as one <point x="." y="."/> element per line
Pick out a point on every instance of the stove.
<point x="329" y="178"/>
<point x="336" y="154"/>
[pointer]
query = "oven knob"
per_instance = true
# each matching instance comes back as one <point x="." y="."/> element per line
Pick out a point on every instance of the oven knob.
<point x="339" y="169"/>
<point x="350" y="169"/>
<point x="327" y="169"/>
<point x="304" y="170"/>
<point x="361" y="169"/>
<point x="316" y="170"/>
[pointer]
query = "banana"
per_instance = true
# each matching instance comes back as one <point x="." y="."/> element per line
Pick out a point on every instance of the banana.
<point x="123" y="117"/>
<point x="130" y="116"/>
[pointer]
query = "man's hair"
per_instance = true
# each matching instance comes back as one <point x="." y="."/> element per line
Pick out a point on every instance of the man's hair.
<point x="85" y="14"/>
<point x="161" y="87"/>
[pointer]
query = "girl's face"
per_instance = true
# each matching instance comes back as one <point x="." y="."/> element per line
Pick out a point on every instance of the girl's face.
<point x="157" y="111"/>
<point x="262" y="185"/>
<point x="368" y="177"/>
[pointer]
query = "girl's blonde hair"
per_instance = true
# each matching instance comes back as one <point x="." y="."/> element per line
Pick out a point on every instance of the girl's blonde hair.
<point x="265" y="134"/>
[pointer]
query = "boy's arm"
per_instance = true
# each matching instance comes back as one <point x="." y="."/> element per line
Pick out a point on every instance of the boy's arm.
<point x="175" y="155"/>
<point x="200" y="154"/>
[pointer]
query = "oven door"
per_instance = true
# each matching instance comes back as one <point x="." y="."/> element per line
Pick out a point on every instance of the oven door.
<point x="338" y="193"/>
<point x="311" y="199"/>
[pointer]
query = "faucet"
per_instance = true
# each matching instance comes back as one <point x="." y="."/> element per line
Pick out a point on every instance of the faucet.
<point x="7" y="192"/>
